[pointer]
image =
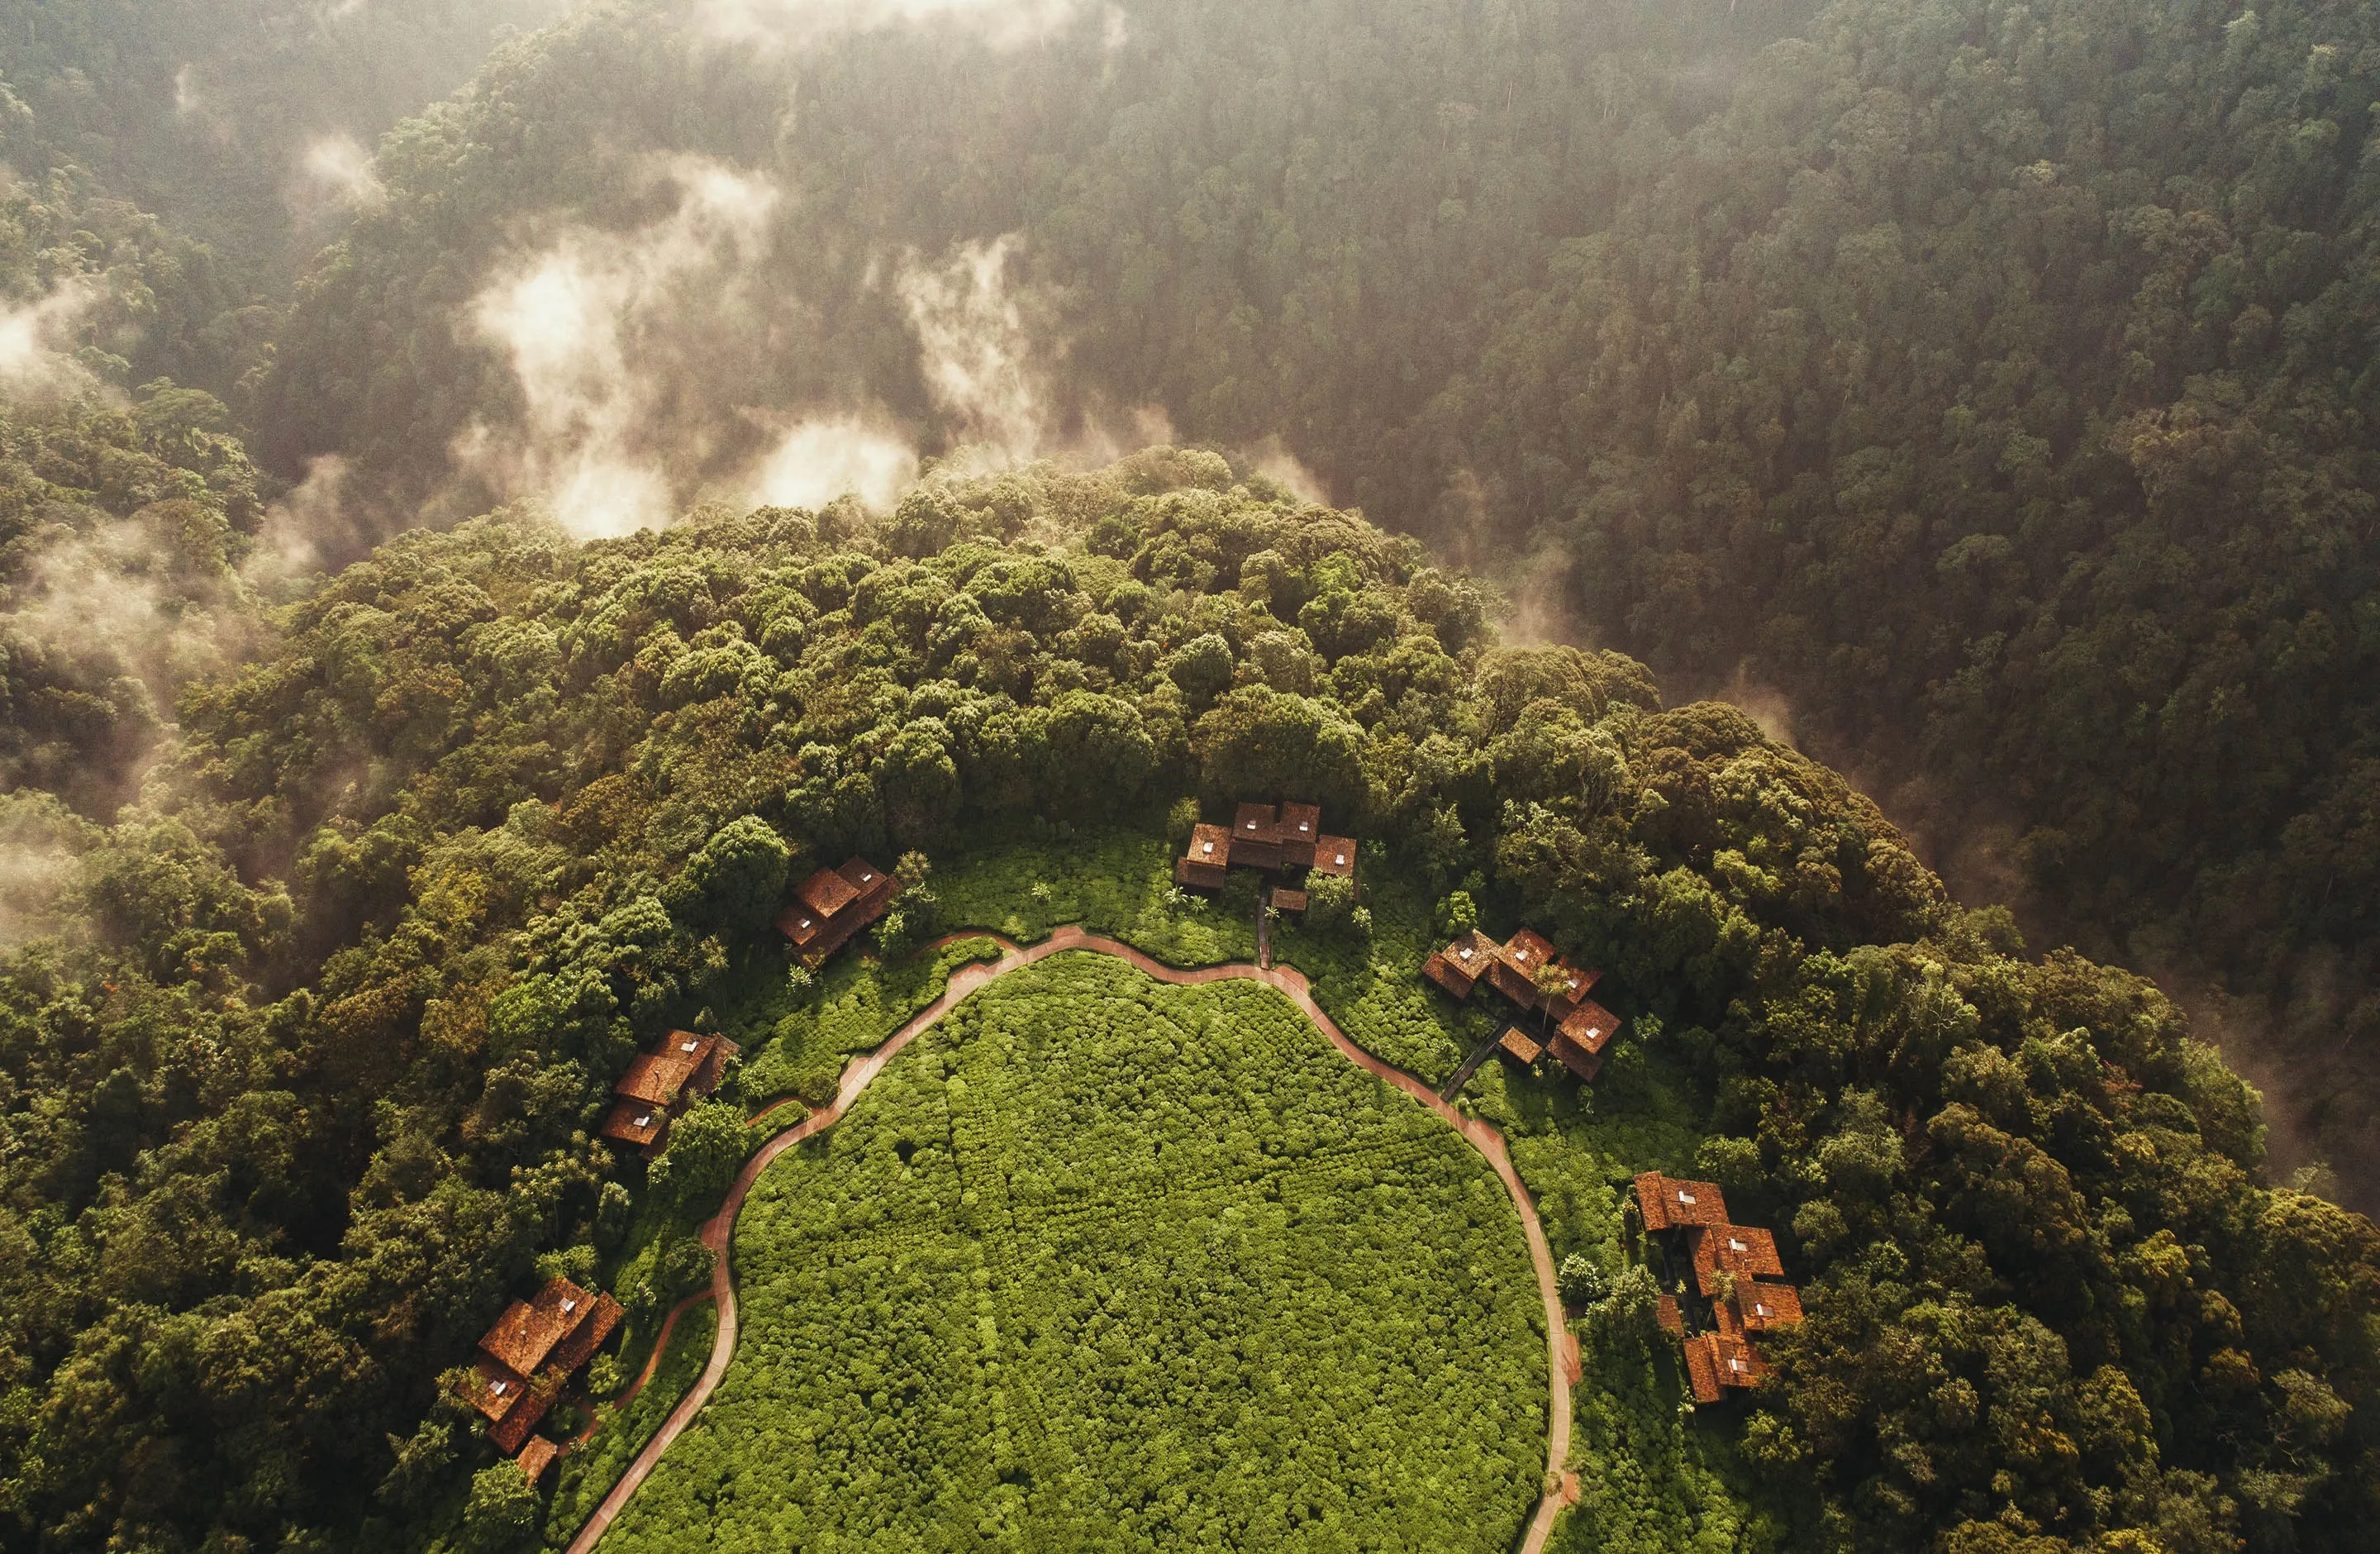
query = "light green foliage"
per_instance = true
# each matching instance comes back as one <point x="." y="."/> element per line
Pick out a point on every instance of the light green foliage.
<point x="1368" y="983"/>
<point x="586" y="1475"/>
<point x="1654" y="1479"/>
<point x="1582" y="1281"/>
<point x="851" y="1008"/>
<point x="1113" y="882"/>
<point x="1096" y="1241"/>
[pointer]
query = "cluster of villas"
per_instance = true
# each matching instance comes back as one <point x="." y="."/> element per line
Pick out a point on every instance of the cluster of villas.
<point x="1738" y="1284"/>
<point x="1286" y="842"/>
<point x="525" y="1360"/>
<point x="1531" y="973"/>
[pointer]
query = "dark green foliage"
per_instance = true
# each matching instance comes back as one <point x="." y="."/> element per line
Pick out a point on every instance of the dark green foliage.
<point x="1096" y="1240"/>
<point x="358" y="1108"/>
<point x="738" y="881"/>
<point x="1990" y="377"/>
<point x="705" y="1148"/>
<point x="503" y="1512"/>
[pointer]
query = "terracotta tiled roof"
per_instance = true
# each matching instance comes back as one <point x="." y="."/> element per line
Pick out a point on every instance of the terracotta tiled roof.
<point x="1287" y="900"/>
<point x="528" y="1330"/>
<point x="536" y="1457"/>
<point x="1741" y="1250"/>
<point x="603" y="1315"/>
<point x="1335" y="856"/>
<point x="514" y="1429"/>
<point x="655" y="1079"/>
<point x="1591" y="1025"/>
<point x="1203" y="876"/>
<point x="1255" y="822"/>
<point x="1211" y="844"/>
<point x="872" y="888"/>
<point x="494" y="1388"/>
<point x="1575" y="1058"/>
<point x="1575" y="986"/>
<point x="1702" y="1367"/>
<point x="1516" y="1042"/>
<point x="827" y="892"/>
<point x="1528" y="950"/>
<point x="1760" y="1307"/>
<point x="635" y="1122"/>
<point x="1460" y="966"/>
<point x="1669" y="1203"/>
<point x="1665" y="1312"/>
<point x="1299" y="828"/>
<point x="1738" y="1363"/>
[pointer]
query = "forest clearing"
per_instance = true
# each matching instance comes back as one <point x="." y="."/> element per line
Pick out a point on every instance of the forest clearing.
<point x="1315" y="1164"/>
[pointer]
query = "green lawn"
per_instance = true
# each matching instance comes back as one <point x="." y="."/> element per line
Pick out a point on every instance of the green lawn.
<point x="1105" y="1265"/>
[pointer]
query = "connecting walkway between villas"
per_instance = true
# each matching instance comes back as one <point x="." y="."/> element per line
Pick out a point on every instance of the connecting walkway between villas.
<point x="1561" y="1356"/>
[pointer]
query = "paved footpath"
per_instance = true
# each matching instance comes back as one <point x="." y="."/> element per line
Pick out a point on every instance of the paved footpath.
<point x="1560" y="1352"/>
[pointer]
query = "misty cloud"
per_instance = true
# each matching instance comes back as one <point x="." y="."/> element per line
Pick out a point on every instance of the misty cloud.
<point x="975" y="351"/>
<point x="37" y="340"/>
<point x="602" y="332"/>
<point x="337" y="169"/>
<point x="841" y="455"/>
<point x="799" y="24"/>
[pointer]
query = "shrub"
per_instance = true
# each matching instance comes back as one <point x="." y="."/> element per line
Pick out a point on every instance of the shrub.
<point x="1582" y="1283"/>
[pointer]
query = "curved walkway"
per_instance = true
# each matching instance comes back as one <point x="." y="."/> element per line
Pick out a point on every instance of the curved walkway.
<point x="1560" y="1357"/>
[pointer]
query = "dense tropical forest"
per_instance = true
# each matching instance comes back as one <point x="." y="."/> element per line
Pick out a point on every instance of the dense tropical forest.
<point x="1979" y="385"/>
<point x="327" y="1015"/>
<point x="701" y="448"/>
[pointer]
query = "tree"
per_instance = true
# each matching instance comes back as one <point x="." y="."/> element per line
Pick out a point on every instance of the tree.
<point x="1582" y="1283"/>
<point x="1261" y="743"/>
<point x="738" y="881"/>
<point x="502" y="1515"/>
<point x="704" y="1151"/>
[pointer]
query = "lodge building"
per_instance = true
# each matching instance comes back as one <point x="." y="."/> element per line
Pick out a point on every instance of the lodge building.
<point x="1738" y="1279"/>
<point x="1288" y="841"/>
<point x="661" y="1083"/>
<point x="528" y="1357"/>
<point x="834" y="904"/>
<point x="1528" y="971"/>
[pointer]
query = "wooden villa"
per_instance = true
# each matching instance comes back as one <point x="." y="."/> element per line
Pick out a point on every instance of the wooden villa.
<point x="834" y="904"/>
<point x="662" y="1083"/>
<point x="1738" y="1275"/>
<point x="1286" y="841"/>
<point x="1531" y="973"/>
<point x="528" y="1357"/>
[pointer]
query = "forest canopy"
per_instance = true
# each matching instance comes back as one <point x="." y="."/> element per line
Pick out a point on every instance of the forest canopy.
<point x="1984" y="385"/>
<point x="327" y="1017"/>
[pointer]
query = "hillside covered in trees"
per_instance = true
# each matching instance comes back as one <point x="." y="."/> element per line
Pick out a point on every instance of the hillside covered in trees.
<point x="1984" y="383"/>
<point x="301" y="1087"/>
